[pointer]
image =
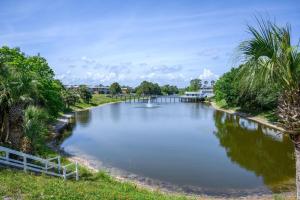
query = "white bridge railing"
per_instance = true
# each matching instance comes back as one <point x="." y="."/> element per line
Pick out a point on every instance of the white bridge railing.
<point x="29" y="162"/>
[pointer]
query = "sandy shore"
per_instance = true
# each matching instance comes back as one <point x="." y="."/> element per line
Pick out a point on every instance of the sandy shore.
<point x="87" y="163"/>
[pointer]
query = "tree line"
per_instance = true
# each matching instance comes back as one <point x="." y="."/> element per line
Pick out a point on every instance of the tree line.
<point x="149" y="88"/>
<point x="145" y="88"/>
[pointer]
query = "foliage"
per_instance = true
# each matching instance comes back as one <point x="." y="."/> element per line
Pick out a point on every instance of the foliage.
<point x="226" y="88"/>
<point x="35" y="125"/>
<point x="169" y="89"/>
<point x="85" y="93"/>
<point x="115" y="88"/>
<point x="148" y="88"/>
<point x="195" y="85"/>
<point x="229" y="93"/>
<point x="24" y="80"/>
<point x="70" y="97"/>
<point x="270" y="59"/>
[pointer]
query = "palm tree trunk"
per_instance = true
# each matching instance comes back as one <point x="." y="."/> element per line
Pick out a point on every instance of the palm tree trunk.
<point x="296" y="139"/>
<point x="289" y="118"/>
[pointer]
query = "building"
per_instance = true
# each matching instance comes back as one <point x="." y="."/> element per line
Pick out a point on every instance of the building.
<point x="192" y="97"/>
<point x="193" y="94"/>
<point x="93" y="89"/>
<point x="99" y="89"/>
<point x="207" y="89"/>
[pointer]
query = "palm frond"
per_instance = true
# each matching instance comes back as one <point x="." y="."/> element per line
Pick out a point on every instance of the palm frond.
<point x="269" y="57"/>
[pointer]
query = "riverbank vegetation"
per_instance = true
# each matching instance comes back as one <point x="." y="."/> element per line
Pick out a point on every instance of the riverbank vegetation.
<point x="268" y="79"/>
<point x="31" y="98"/>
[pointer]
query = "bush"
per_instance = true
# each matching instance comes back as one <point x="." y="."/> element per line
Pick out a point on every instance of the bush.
<point x="35" y="126"/>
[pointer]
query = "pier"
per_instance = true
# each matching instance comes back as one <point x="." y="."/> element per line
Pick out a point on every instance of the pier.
<point x="159" y="98"/>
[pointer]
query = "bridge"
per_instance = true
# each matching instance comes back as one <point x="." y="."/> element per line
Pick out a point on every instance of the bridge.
<point x="159" y="98"/>
<point x="27" y="162"/>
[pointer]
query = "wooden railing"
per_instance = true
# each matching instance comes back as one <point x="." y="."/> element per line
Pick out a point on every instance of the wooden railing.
<point x="29" y="162"/>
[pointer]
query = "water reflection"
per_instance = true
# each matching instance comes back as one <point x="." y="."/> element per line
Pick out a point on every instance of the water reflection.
<point x="115" y="111"/>
<point x="83" y="117"/>
<point x="254" y="148"/>
<point x="191" y="146"/>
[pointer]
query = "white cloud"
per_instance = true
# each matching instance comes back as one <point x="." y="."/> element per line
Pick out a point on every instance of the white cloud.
<point x="207" y="75"/>
<point x="87" y="60"/>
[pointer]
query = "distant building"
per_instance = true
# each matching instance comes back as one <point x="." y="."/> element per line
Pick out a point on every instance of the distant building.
<point x="100" y="89"/>
<point x="193" y="94"/>
<point x="207" y="89"/>
<point x="94" y="89"/>
<point x="71" y="86"/>
<point x="125" y="90"/>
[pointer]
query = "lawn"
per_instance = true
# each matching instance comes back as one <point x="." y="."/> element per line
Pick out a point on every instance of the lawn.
<point x="19" y="185"/>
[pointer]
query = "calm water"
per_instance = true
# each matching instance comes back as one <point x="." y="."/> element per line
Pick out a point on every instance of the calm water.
<point x="191" y="147"/>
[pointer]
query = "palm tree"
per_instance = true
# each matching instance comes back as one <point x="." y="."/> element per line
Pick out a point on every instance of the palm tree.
<point x="17" y="87"/>
<point x="269" y="58"/>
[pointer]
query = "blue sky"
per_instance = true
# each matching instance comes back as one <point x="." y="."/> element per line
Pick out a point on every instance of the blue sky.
<point x="165" y="41"/>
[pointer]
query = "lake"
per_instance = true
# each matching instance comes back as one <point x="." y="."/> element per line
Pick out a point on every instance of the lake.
<point x="187" y="147"/>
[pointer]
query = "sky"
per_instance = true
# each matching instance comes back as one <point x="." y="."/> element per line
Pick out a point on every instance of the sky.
<point x="127" y="41"/>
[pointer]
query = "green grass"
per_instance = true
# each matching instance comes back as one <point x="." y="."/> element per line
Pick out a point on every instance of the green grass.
<point x="18" y="185"/>
<point x="97" y="99"/>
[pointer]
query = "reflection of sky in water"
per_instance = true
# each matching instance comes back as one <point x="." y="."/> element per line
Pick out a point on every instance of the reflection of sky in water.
<point x="247" y="124"/>
<point x="272" y="133"/>
<point x="184" y="144"/>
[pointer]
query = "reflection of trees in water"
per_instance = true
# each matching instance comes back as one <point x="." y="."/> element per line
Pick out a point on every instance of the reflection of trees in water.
<point x="83" y="117"/>
<point x="66" y="132"/>
<point x="256" y="151"/>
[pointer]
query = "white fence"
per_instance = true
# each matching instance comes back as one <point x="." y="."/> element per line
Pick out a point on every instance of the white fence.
<point x="29" y="162"/>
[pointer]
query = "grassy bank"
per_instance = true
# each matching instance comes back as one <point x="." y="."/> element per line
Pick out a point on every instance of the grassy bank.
<point x="97" y="99"/>
<point x="19" y="185"/>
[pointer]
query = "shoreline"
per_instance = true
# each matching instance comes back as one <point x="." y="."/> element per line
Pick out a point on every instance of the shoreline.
<point x="88" y="108"/>
<point x="157" y="187"/>
<point x="257" y="119"/>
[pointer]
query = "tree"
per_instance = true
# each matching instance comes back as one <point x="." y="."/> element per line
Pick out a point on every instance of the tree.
<point x="115" y="88"/>
<point x="70" y="97"/>
<point x="195" y="85"/>
<point x="226" y="89"/>
<point x="35" y="128"/>
<point x="17" y="88"/>
<point x="269" y="58"/>
<point x="169" y="89"/>
<point x="24" y="81"/>
<point x="148" y="88"/>
<point x="85" y="93"/>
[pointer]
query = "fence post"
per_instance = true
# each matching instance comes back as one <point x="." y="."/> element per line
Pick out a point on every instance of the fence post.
<point x="46" y="166"/>
<point x="25" y="163"/>
<point x="76" y="165"/>
<point x="64" y="173"/>
<point x="7" y="156"/>
<point x="58" y="163"/>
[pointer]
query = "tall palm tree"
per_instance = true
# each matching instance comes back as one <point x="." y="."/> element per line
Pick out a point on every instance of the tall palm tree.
<point x="269" y="58"/>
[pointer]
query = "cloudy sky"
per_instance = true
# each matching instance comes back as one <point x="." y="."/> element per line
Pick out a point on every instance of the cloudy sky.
<point x="165" y="41"/>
